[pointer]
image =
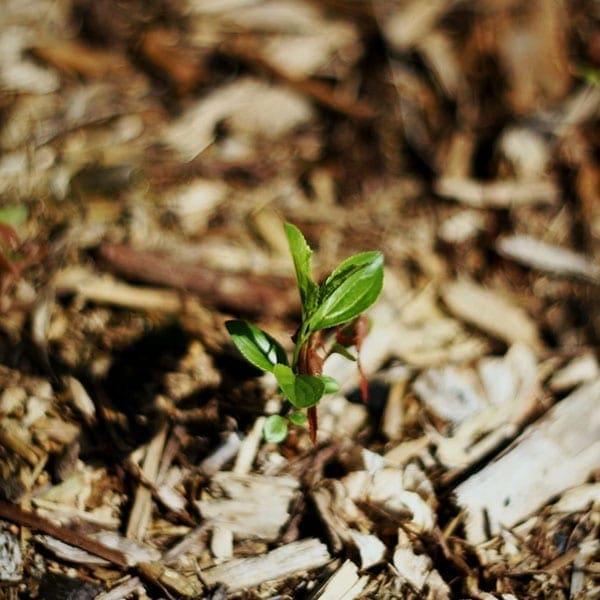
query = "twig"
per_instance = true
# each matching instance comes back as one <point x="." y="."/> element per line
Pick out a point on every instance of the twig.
<point x="246" y="294"/>
<point x="25" y="518"/>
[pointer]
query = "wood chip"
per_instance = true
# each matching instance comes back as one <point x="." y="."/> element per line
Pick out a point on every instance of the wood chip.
<point x="549" y="258"/>
<point x="490" y="312"/>
<point x="288" y="560"/>
<point x="559" y="451"/>
<point x="344" y="584"/>
<point x="104" y="289"/>
<point x="417" y="569"/>
<point x="370" y="548"/>
<point x="580" y="370"/>
<point x="142" y="505"/>
<point x="243" y="509"/>
<point x="497" y="194"/>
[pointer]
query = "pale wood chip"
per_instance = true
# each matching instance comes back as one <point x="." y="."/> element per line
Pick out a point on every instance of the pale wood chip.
<point x="491" y="312"/>
<point x="557" y="452"/>
<point x="249" y="448"/>
<point x="243" y="510"/>
<point x="221" y="543"/>
<point x="288" y="560"/>
<point x="497" y="194"/>
<point x="417" y="569"/>
<point x="104" y="289"/>
<point x="122" y="589"/>
<point x="580" y="370"/>
<point x="370" y="548"/>
<point x="142" y="505"/>
<point x="222" y="455"/>
<point x="549" y="258"/>
<point x="186" y="586"/>
<point x="579" y="498"/>
<point x="409" y="22"/>
<point x="249" y="105"/>
<point x="344" y="584"/>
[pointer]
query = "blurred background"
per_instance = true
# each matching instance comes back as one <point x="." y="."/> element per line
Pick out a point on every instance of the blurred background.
<point x="150" y="152"/>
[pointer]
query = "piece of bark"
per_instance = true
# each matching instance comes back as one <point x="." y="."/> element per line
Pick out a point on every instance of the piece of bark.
<point x="344" y="584"/>
<point x="286" y="561"/>
<point x="559" y="451"/>
<point x="239" y="293"/>
<point x="497" y="194"/>
<point x="492" y="313"/>
<point x="549" y="258"/>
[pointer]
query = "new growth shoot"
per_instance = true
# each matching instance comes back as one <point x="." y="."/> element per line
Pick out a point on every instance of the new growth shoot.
<point x="339" y="300"/>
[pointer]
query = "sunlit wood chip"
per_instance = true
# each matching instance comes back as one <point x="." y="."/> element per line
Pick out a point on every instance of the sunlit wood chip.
<point x="370" y="548"/>
<point x="548" y="258"/>
<point x="285" y="561"/>
<point x="557" y="452"/>
<point x="580" y="370"/>
<point x="417" y="569"/>
<point x="497" y="194"/>
<point x="344" y="584"/>
<point x="186" y="586"/>
<point x="491" y="312"/>
<point x="243" y="509"/>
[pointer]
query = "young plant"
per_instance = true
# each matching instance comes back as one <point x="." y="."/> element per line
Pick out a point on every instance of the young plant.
<point x="339" y="300"/>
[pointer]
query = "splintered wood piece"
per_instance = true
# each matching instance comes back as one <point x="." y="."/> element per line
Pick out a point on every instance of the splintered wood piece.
<point x="491" y="312"/>
<point x="344" y="584"/>
<point x="497" y="194"/>
<point x="557" y="452"/>
<point x="165" y="577"/>
<point x="122" y="590"/>
<point x="288" y="560"/>
<point x="417" y="569"/>
<point x="244" y="510"/>
<point x="548" y="258"/>
<point x="243" y="293"/>
<point x="142" y="505"/>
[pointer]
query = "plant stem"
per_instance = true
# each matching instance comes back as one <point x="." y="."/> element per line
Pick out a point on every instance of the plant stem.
<point x="309" y="362"/>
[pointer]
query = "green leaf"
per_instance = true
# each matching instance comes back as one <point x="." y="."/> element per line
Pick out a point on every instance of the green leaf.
<point x="331" y="385"/>
<point x="13" y="214"/>
<point x="297" y="418"/>
<point x="256" y="346"/>
<point x="275" y="429"/>
<point x="301" y="254"/>
<point x="349" y="290"/>
<point x="302" y="391"/>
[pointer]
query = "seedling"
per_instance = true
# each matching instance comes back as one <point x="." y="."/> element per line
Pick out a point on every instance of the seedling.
<point x="339" y="300"/>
